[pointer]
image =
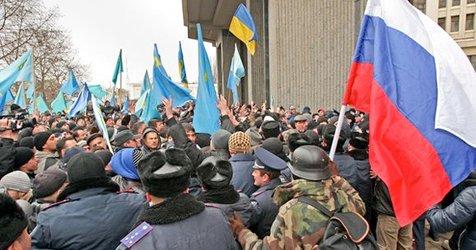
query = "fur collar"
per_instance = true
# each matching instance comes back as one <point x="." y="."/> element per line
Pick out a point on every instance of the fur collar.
<point x="172" y="210"/>
<point x="225" y="195"/>
<point x="102" y="182"/>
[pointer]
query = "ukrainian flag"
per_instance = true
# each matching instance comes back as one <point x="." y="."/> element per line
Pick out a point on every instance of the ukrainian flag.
<point x="243" y="27"/>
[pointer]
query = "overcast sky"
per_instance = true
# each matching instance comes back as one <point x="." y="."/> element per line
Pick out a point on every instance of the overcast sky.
<point x="100" y="28"/>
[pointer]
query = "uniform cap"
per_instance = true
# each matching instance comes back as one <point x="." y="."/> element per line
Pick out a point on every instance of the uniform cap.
<point x="268" y="161"/>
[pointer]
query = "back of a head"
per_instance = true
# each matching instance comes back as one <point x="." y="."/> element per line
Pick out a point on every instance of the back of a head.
<point x="84" y="167"/>
<point x="270" y="129"/>
<point x="214" y="173"/>
<point x="239" y="143"/>
<point x="297" y="140"/>
<point x="165" y="175"/>
<point x="12" y="221"/>
<point x="311" y="163"/>
<point x="220" y="139"/>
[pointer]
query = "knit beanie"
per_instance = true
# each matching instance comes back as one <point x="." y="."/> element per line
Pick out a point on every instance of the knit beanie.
<point x="254" y="136"/>
<point x="275" y="146"/>
<point x="22" y="156"/>
<point x="16" y="180"/>
<point x="12" y="221"/>
<point x="40" y="139"/>
<point x="239" y="143"/>
<point x="27" y="142"/>
<point x="48" y="182"/>
<point x="105" y="155"/>
<point x="84" y="166"/>
<point x="220" y="139"/>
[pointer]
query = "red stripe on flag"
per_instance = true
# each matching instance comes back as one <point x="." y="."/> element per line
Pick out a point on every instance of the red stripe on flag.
<point x="402" y="157"/>
<point x="360" y="78"/>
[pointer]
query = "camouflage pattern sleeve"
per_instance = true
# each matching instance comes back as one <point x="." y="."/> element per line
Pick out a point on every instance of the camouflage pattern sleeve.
<point x="353" y="200"/>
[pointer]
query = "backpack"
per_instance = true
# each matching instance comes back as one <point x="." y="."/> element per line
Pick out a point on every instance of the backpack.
<point x="344" y="231"/>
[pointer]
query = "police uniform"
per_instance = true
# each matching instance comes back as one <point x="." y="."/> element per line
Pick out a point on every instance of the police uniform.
<point x="264" y="210"/>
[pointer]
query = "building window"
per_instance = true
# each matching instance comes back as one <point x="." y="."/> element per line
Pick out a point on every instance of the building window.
<point x="454" y="23"/>
<point x="456" y="2"/>
<point x="442" y="22"/>
<point x="420" y="4"/>
<point x="442" y="4"/>
<point x="470" y="1"/>
<point x="470" y="21"/>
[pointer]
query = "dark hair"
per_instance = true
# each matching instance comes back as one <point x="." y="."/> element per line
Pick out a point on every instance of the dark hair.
<point x="61" y="143"/>
<point x="153" y="122"/>
<point x="272" y="174"/>
<point x="12" y="221"/>
<point x="135" y="128"/>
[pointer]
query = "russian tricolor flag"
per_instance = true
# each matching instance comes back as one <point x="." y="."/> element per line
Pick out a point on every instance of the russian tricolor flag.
<point x="420" y="91"/>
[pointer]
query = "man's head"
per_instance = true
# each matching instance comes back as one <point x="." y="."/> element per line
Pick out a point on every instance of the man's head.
<point x="214" y="173"/>
<point x="190" y="131"/>
<point x="65" y="144"/>
<point x="96" y="141"/>
<point x="17" y="184"/>
<point x="267" y="167"/>
<point x="107" y="104"/>
<point x="125" y="139"/>
<point x="138" y="128"/>
<point x="270" y="129"/>
<point x="310" y="162"/>
<point x="300" y="122"/>
<point x="165" y="175"/>
<point x="79" y="134"/>
<point x="80" y="121"/>
<point x="49" y="184"/>
<point x="151" y="138"/>
<point x="45" y="141"/>
<point x="292" y="109"/>
<point x="157" y="124"/>
<point x="85" y="167"/>
<point x="25" y="160"/>
<point x="13" y="225"/>
<point x="239" y="143"/>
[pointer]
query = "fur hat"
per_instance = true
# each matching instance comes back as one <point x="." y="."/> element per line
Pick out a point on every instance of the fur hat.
<point x="270" y="129"/>
<point x="239" y="142"/>
<point x="214" y="172"/>
<point x="359" y="141"/>
<point x="165" y="175"/>
<point x="298" y="139"/>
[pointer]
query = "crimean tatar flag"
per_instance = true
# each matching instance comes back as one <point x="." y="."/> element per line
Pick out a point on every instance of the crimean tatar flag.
<point x="418" y="87"/>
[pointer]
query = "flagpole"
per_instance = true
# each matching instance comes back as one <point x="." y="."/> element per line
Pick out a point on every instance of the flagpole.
<point x="337" y="133"/>
<point x="120" y="87"/>
<point x="34" y="78"/>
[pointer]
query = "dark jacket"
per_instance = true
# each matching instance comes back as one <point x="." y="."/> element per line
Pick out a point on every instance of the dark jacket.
<point x="364" y="184"/>
<point x="381" y="201"/>
<point x="242" y="179"/>
<point x="228" y="200"/>
<point x="7" y="156"/>
<point x="459" y="214"/>
<point x="263" y="208"/>
<point x="347" y="168"/>
<point x="182" y="222"/>
<point x="93" y="218"/>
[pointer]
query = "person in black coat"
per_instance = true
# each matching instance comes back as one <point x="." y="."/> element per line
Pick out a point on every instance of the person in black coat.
<point x="90" y="212"/>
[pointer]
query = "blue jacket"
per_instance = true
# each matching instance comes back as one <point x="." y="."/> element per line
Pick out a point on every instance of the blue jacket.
<point x="460" y="213"/>
<point x="242" y="179"/>
<point x="94" y="218"/>
<point x="264" y="210"/>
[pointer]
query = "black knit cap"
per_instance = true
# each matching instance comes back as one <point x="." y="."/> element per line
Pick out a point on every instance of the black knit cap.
<point x="48" y="182"/>
<point x="214" y="173"/>
<point x="40" y="139"/>
<point x="22" y="156"/>
<point x="275" y="146"/>
<point x="165" y="175"/>
<point x="27" y="142"/>
<point x="84" y="166"/>
<point x="12" y="221"/>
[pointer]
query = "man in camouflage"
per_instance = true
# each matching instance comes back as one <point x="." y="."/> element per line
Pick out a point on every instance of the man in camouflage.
<point x="298" y="225"/>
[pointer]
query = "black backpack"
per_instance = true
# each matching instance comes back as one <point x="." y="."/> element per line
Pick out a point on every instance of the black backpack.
<point x="344" y="230"/>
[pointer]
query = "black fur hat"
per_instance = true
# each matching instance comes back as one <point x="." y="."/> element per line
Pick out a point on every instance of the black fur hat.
<point x="165" y="175"/>
<point x="214" y="173"/>
<point x="298" y="139"/>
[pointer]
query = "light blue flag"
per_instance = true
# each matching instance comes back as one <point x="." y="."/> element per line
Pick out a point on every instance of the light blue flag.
<point x="59" y="104"/>
<point x="206" y="116"/>
<point x="140" y="104"/>
<point x="183" y="74"/>
<point x="20" y="98"/>
<point x="70" y="87"/>
<point x="10" y="96"/>
<point x="4" y="99"/>
<point x="145" y="84"/>
<point x="118" y="69"/>
<point x="237" y="71"/>
<point x="150" y="109"/>
<point x="97" y="91"/>
<point x="81" y="103"/>
<point x="158" y="62"/>
<point x="100" y="122"/>
<point x="125" y="108"/>
<point x="19" y="70"/>
<point x="41" y="104"/>
<point x="30" y="91"/>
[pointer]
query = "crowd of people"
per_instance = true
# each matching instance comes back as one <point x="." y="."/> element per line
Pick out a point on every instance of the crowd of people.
<point x="162" y="185"/>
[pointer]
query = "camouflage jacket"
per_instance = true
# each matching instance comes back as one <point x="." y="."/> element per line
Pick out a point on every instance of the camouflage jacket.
<point x="298" y="225"/>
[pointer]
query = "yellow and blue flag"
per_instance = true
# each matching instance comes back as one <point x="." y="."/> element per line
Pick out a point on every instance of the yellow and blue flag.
<point x="237" y="71"/>
<point x="70" y="87"/>
<point x="97" y="91"/>
<point x="20" y="98"/>
<point x="41" y="105"/>
<point x="243" y="27"/>
<point x="145" y="83"/>
<point x="118" y="68"/>
<point x="125" y="108"/>
<point x="20" y="70"/>
<point x="206" y="116"/>
<point x="181" y="64"/>
<point x="30" y="92"/>
<point x="59" y="104"/>
<point x="100" y="121"/>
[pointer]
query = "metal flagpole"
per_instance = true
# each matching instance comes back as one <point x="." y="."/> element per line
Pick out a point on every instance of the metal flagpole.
<point x="338" y="129"/>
